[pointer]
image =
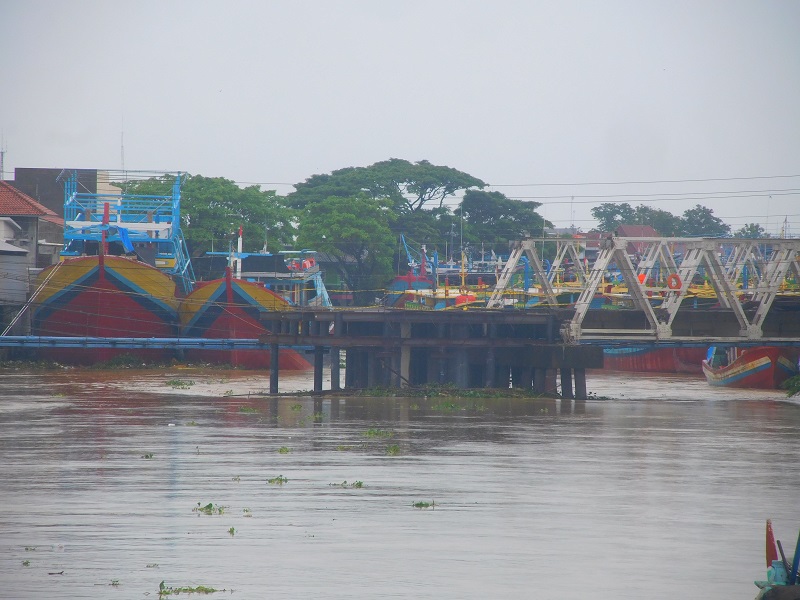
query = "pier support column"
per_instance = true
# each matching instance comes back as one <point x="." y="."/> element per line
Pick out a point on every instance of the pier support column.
<point x="580" y="384"/>
<point x="386" y="364"/>
<point x="349" y="368"/>
<point x="405" y="357"/>
<point x="373" y="378"/>
<point x="566" y="383"/>
<point x="489" y="376"/>
<point x="550" y="382"/>
<point x="460" y="361"/>
<point x="335" y="375"/>
<point x="538" y="380"/>
<point x="526" y="377"/>
<point x="274" y="364"/>
<point x="318" y="356"/>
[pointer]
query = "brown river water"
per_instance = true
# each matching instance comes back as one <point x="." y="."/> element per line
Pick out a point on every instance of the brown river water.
<point x="659" y="490"/>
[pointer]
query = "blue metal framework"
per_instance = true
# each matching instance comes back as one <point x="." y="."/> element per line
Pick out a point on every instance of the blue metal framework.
<point x="134" y="220"/>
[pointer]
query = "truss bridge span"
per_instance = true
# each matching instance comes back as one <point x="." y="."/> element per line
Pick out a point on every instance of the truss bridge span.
<point x="669" y="291"/>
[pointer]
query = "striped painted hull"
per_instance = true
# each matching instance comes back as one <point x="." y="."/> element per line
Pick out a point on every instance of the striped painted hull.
<point x="108" y="296"/>
<point x="232" y="308"/>
<point x="658" y="360"/>
<point x="765" y="367"/>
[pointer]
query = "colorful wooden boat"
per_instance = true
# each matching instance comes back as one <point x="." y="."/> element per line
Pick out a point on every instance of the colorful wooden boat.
<point x="762" y="367"/>
<point x="782" y="581"/>
<point x="233" y="308"/>
<point x="655" y="360"/>
<point x="104" y="296"/>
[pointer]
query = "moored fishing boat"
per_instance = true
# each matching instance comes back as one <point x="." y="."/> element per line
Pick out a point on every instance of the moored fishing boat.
<point x="103" y="296"/>
<point x="655" y="360"/>
<point x="782" y="581"/>
<point x="230" y="308"/>
<point x="762" y="367"/>
<point x="121" y="258"/>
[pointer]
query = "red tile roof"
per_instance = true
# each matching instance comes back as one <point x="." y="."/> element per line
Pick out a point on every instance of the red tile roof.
<point x="14" y="203"/>
<point x="625" y="230"/>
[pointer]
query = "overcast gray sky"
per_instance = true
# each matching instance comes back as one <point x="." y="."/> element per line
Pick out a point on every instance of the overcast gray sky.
<point x="517" y="93"/>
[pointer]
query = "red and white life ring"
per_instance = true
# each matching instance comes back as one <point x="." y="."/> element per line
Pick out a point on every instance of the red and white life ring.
<point x="674" y="282"/>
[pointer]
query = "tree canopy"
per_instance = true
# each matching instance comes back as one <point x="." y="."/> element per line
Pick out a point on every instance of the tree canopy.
<point x="493" y="219"/>
<point x="610" y="216"/>
<point x="701" y="222"/>
<point x="695" y="222"/>
<point x="407" y="186"/>
<point x="354" y="233"/>
<point x="751" y="230"/>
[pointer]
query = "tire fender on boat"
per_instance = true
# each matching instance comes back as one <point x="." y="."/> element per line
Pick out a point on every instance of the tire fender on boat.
<point x="674" y="282"/>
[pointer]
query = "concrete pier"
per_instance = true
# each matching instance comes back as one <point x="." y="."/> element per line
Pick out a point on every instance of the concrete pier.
<point x="467" y="349"/>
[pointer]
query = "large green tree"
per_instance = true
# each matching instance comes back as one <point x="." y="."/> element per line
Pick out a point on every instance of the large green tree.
<point x="665" y="223"/>
<point x="701" y="222"/>
<point x="610" y="215"/>
<point x="751" y="230"/>
<point x="355" y="235"/>
<point x="407" y="186"/>
<point x="698" y="221"/>
<point x="493" y="220"/>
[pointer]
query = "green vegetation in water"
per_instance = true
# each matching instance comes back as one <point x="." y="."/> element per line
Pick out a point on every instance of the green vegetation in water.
<point x="152" y="566"/>
<point x="283" y="450"/>
<point x="792" y="386"/>
<point x="343" y="448"/>
<point x="30" y="548"/>
<point x="237" y="479"/>
<point x="247" y="409"/>
<point x="165" y="590"/>
<point x="33" y="365"/>
<point x="423" y="505"/>
<point x="231" y="531"/>
<point x="393" y="450"/>
<point x="180" y="384"/>
<point x="228" y="393"/>
<point x="446" y="406"/>
<point x="114" y="582"/>
<point x="26" y="563"/>
<point x="344" y="484"/>
<point x="122" y="361"/>
<point x="209" y="509"/>
<point x="247" y="512"/>
<point x="148" y="455"/>
<point x="378" y="433"/>
<point x="279" y="480"/>
<point x="192" y="423"/>
<point x="296" y="407"/>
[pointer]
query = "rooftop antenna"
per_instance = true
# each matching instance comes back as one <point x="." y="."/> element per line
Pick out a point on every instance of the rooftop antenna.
<point x="572" y="213"/>
<point x="2" y="157"/>
<point x="122" y="149"/>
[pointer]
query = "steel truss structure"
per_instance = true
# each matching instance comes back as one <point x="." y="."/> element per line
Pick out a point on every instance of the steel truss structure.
<point x="742" y="272"/>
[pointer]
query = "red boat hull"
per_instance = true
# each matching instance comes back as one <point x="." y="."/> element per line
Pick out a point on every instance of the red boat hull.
<point x="657" y="360"/>
<point x="233" y="309"/>
<point x="763" y="367"/>
<point x="109" y="296"/>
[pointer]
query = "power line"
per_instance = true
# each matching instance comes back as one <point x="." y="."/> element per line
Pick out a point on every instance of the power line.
<point x="645" y="182"/>
<point x="685" y="195"/>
